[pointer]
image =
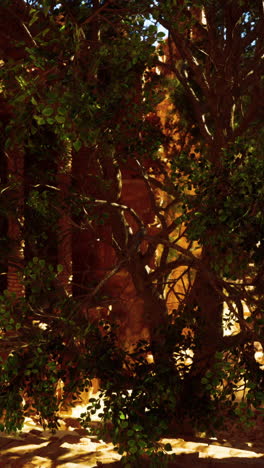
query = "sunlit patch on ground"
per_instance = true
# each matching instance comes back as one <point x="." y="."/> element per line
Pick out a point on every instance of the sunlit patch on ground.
<point x="212" y="450"/>
<point x="71" y="447"/>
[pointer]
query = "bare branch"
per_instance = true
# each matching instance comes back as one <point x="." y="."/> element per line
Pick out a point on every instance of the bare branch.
<point x="106" y="278"/>
<point x="97" y="12"/>
<point x="195" y="102"/>
<point x="170" y="266"/>
<point x="22" y="24"/>
<point x="118" y="206"/>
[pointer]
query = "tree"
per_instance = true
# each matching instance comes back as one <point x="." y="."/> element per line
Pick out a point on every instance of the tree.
<point x="82" y="92"/>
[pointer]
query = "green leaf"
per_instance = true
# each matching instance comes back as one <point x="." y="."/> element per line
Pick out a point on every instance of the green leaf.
<point x="137" y="427"/>
<point x="77" y="145"/>
<point x="33" y="19"/>
<point x="60" y="118"/>
<point x="133" y="449"/>
<point x="152" y="29"/>
<point x="124" y="424"/>
<point x="47" y="111"/>
<point x="45" y="31"/>
<point x="142" y="444"/>
<point x="40" y="120"/>
<point x="61" y="110"/>
<point x="46" y="7"/>
<point x="33" y="100"/>
<point x="131" y="442"/>
<point x="59" y="268"/>
<point x="168" y="447"/>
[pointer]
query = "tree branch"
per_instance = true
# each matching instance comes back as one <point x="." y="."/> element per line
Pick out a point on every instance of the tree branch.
<point x="168" y="267"/>
<point x="118" y="206"/>
<point x="97" y="12"/>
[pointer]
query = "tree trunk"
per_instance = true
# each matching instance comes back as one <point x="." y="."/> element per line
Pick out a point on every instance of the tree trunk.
<point x="155" y="312"/>
<point x="64" y="252"/>
<point x="207" y="305"/>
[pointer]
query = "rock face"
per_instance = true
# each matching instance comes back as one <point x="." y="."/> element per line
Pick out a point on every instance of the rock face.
<point x="93" y="256"/>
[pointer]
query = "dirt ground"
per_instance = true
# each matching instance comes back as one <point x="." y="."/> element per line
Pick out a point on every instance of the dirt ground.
<point x="71" y="447"/>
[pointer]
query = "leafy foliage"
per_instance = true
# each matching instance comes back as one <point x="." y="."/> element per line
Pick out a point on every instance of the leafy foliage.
<point x="94" y="83"/>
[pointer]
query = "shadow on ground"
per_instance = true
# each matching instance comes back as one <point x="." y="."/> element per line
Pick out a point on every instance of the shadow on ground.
<point x="35" y="448"/>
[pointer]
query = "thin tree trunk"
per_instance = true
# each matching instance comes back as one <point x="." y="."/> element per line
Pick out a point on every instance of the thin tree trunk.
<point x="64" y="249"/>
